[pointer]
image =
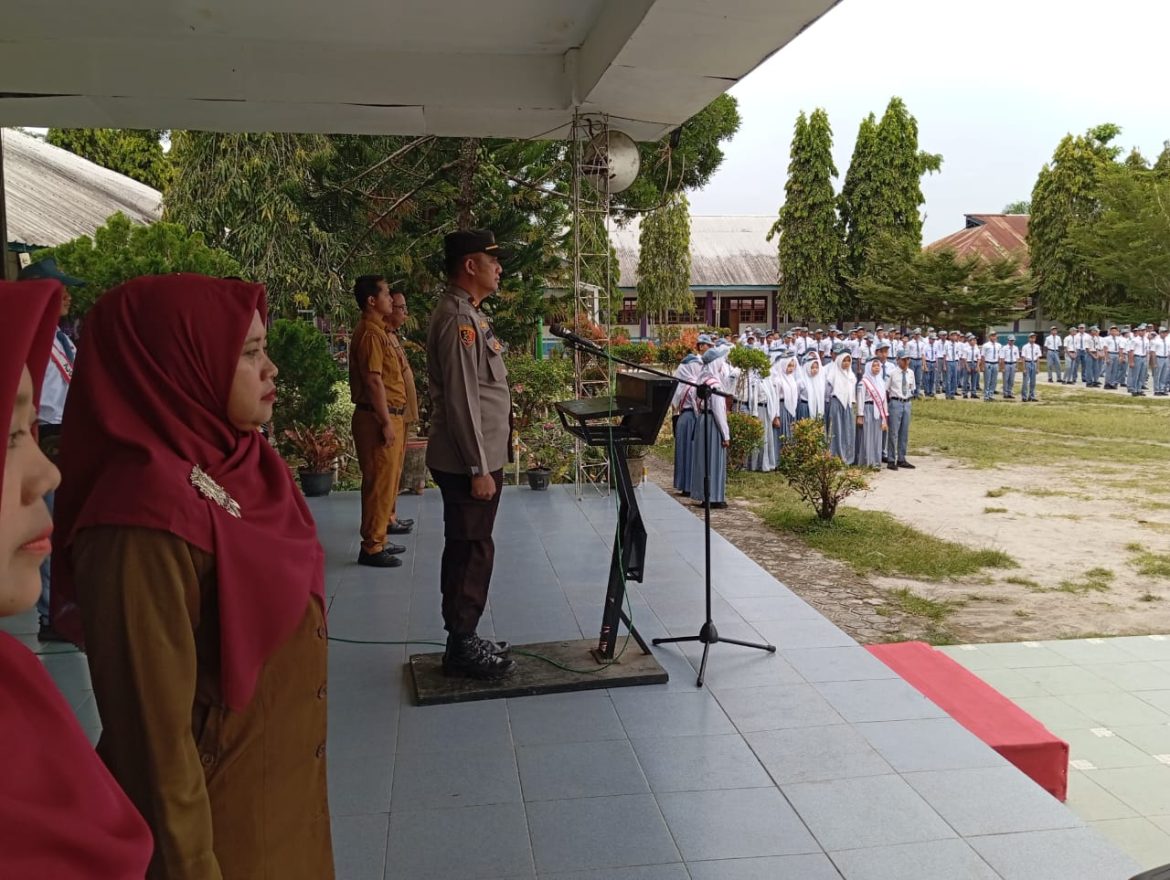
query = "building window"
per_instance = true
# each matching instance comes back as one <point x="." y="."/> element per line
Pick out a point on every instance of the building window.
<point x="629" y="313"/>
<point x="736" y="311"/>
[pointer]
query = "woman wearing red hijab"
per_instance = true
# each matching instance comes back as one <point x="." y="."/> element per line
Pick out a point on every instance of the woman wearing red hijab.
<point x="191" y="569"/>
<point x="61" y="813"/>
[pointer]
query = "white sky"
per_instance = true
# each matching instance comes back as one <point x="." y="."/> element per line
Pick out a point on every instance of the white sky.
<point x="994" y="85"/>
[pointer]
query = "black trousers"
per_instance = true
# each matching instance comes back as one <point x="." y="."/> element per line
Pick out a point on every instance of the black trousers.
<point x="468" y="550"/>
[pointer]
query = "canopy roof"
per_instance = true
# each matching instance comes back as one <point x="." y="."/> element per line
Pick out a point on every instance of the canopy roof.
<point x="511" y="68"/>
<point x="726" y="251"/>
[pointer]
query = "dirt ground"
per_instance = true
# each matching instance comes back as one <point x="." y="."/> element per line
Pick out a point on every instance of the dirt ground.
<point x="1072" y="535"/>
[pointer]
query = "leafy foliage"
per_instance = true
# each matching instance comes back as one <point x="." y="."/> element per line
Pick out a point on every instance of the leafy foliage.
<point x="819" y="478"/>
<point x="1023" y="206"/>
<point x="546" y="444"/>
<point x="121" y="250"/>
<point x="882" y="193"/>
<point x="637" y="352"/>
<point x="746" y="358"/>
<point x="664" y="259"/>
<point x="537" y="385"/>
<point x="307" y="372"/>
<point x="746" y="436"/>
<point x="1065" y="197"/>
<point x="810" y="238"/>
<point x="315" y="449"/>
<point x="137" y="153"/>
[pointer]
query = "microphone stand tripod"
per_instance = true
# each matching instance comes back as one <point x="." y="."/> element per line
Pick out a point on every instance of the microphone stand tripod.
<point x="708" y="633"/>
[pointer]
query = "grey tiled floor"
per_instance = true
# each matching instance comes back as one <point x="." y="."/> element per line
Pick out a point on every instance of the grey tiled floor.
<point x="814" y="763"/>
<point x="1110" y="700"/>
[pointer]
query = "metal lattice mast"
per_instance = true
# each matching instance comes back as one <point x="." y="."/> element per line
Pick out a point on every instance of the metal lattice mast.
<point x="591" y="272"/>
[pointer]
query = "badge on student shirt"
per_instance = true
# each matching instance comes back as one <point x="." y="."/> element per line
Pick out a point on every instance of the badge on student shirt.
<point x="467" y="335"/>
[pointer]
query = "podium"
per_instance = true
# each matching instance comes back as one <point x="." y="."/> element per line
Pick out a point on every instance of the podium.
<point x="633" y="415"/>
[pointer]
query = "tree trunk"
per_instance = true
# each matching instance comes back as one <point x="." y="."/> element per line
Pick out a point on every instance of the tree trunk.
<point x="468" y="163"/>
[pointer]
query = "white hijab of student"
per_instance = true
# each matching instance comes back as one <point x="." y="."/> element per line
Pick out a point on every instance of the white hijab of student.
<point x="812" y="380"/>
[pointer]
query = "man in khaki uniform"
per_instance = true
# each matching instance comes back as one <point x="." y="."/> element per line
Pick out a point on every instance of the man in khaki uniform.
<point x="378" y="391"/>
<point x="394" y="321"/>
<point x="468" y="446"/>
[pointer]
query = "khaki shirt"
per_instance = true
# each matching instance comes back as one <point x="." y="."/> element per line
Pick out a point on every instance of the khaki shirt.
<point x="471" y="403"/>
<point x="411" y="414"/>
<point x="371" y="351"/>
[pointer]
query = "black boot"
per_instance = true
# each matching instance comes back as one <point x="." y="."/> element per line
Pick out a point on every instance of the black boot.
<point x="466" y="658"/>
<point x="503" y="649"/>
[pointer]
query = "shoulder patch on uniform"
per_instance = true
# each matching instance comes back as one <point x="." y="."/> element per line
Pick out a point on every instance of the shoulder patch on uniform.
<point x="467" y="335"/>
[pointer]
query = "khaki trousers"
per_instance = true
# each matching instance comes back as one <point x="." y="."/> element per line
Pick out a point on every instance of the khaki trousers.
<point x="381" y="468"/>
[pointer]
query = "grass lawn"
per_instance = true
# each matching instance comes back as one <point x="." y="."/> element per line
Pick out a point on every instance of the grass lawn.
<point x="1067" y="426"/>
<point x="869" y="541"/>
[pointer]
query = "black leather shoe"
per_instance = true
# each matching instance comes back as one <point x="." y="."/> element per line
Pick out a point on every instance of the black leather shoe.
<point x="405" y="522"/>
<point x="381" y="559"/>
<point x="465" y="658"/>
<point x="399" y="528"/>
<point x="891" y="466"/>
<point x="393" y="549"/>
<point x="905" y="464"/>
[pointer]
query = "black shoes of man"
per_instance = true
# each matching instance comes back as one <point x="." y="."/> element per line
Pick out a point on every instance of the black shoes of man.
<point x="402" y="527"/>
<point x="387" y="557"/>
<point x="473" y="657"/>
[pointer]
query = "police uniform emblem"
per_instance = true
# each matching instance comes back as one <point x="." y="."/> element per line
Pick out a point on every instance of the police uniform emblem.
<point x="467" y="335"/>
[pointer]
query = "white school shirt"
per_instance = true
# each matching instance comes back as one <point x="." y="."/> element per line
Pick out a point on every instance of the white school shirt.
<point x="916" y="348"/>
<point x="800" y="345"/>
<point x="990" y="352"/>
<point x="1124" y="344"/>
<point x="1070" y="342"/>
<point x="1030" y="352"/>
<point x="1098" y="342"/>
<point x="950" y="354"/>
<point x="900" y="384"/>
<point x="939" y="349"/>
<point x="55" y="386"/>
<point x="1053" y="342"/>
<point x="1010" y="353"/>
<point x="1141" y="346"/>
<point x="1111" y="344"/>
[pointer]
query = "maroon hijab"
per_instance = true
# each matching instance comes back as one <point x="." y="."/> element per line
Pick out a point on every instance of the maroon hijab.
<point x="61" y="813"/>
<point x="147" y="405"/>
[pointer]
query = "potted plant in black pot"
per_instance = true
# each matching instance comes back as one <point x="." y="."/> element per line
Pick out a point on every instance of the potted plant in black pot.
<point x="317" y="449"/>
<point x="549" y="450"/>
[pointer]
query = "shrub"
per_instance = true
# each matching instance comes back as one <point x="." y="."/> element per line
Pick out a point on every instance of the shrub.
<point x="315" y="448"/>
<point x="746" y="358"/>
<point x="636" y="352"/>
<point x="747" y="433"/>
<point x="819" y="477"/>
<point x="537" y="385"/>
<point x="546" y="444"/>
<point x="672" y="353"/>
<point x="307" y="373"/>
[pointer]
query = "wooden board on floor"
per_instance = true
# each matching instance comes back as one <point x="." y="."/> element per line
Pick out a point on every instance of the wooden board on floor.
<point x="535" y="676"/>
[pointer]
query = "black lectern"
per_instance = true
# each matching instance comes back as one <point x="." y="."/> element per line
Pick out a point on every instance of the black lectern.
<point x="640" y="403"/>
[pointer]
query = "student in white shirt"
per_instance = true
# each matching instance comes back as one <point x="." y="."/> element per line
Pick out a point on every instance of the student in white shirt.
<point x="1139" y="365"/>
<point x="1009" y="356"/>
<point x="1072" y="351"/>
<point x="1030" y="354"/>
<point x="1124" y="344"/>
<point x="899" y="392"/>
<point x="1160" y="347"/>
<point x="1052" y="346"/>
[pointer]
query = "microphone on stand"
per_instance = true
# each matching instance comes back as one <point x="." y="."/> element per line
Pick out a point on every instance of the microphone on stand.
<point x="569" y="336"/>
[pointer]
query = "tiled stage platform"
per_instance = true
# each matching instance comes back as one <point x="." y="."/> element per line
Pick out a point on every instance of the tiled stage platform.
<point x="813" y="763"/>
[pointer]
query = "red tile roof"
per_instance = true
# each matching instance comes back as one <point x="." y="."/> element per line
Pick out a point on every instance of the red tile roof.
<point x="991" y="236"/>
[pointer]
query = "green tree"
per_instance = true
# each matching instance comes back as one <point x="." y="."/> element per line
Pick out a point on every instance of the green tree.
<point x="305" y="382"/>
<point x="137" y="153"/>
<point x="248" y="194"/>
<point x="1023" y="206"/>
<point x="664" y="259"/>
<point x="882" y="195"/>
<point x="1065" y="197"/>
<point x="1127" y="244"/>
<point x="810" y="240"/>
<point x="120" y="250"/>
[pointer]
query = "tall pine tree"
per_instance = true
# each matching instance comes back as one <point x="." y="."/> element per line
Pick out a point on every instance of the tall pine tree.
<point x="1065" y="197"/>
<point x="810" y="241"/>
<point x="882" y="195"/>
<point x="664" y="259"/>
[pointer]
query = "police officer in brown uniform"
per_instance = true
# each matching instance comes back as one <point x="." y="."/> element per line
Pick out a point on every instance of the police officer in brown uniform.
<point x="468" y="446"/>
<point x="378" y="392"/>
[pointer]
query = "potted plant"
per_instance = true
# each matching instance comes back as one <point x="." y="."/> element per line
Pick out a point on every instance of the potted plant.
<point x="636" y="459"/>
<point x="549" y="449"/>
<point x="317" y="448"/>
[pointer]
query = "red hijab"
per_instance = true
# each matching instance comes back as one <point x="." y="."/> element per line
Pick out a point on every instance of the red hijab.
<point x="61" y="813"/>
<point x="147" y="405"/>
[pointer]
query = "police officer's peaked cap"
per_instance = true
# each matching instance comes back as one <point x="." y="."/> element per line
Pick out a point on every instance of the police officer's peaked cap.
<point x="471" y="241"/>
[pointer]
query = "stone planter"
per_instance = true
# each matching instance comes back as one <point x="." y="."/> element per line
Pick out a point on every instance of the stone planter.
<point x="414" y="468"/>
<point x="539" y="478"/>
<point x="316" y="485"/>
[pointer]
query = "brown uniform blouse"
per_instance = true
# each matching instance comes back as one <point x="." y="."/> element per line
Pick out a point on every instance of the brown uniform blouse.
<point x="232" y="795"/>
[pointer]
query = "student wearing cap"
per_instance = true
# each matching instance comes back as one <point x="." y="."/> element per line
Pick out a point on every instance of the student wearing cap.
<point x="899" y="391"/>
<point x="1160" y="348"/>
<point x="951" y="357"/>
<point x="928" y="361"/>
<point x="1072" y="351"/>
<point x="1112" y="348"/>
<point x="881" y="351"/>
<point x="916" y="346"/>
<point x="1139" y="365"/>
<point x="1096" y="355"/>
<point x="938" y="386"/>
<point x="967" y="366"/>
<point x="468" y="445"/>
<point x="989" y="358"/>
<point x="1124" y="344"/>
<point x="1052" y="351"/>
<point x="684" y="426"/>
<point x="1030" y="356"/>
<point x="1009" y="357"/>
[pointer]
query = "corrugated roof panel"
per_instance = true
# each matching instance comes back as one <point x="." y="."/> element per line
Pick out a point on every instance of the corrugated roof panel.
<point x="726" y="251"/>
